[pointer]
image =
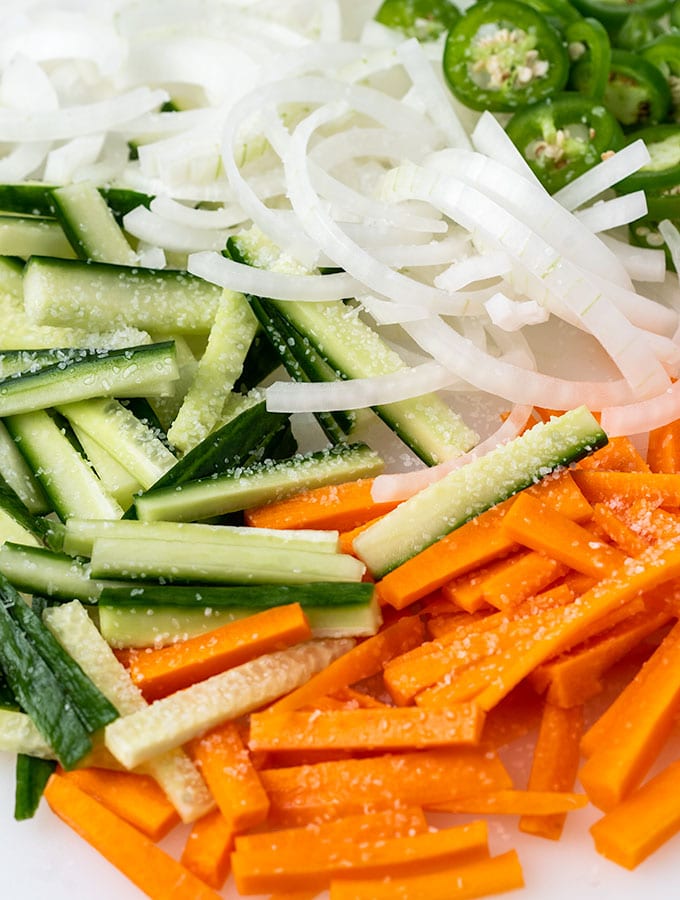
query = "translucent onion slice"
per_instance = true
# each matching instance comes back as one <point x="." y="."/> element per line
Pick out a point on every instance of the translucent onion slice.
<point x="208" y="219"/>
<point x="475" y="268"/>
<point x="357" y="393"/>
<point x="606" y="215"/>
<point x="641" y="263"/>
<point x="73" y="121"/>
<point x="23" y="160"/>
<point x="65" y="161"/>
<point x="518" y="385"/>
<point x="150" y="227"/>
<point x="490" y="138"/>
<point x="643" y="416"/>
<point x="603" y="176"/>
<point x="263" y="283"/>
<point x="671" y="236"/>
<point x="403" y="485"/>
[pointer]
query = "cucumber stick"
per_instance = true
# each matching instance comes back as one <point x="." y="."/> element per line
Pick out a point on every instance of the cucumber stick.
<point x="178" y="562"/>
<point x="90" y="226"/>
<point x="218" y="369"/>
<point x="128" y="440"/>
<point x="132" y="372"/>
<point x="466" y="492"/>
<point x="104" y="297"/>
<point x="66" y="478"/>
<point x="426" y="424"/>
<point x="243" y="487"/>
<point x="26" y="237"/>
<point x="37" y="570"/>
<point x="119" y="483"/>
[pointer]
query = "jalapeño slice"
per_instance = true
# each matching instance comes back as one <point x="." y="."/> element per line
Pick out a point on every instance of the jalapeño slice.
<point x="645" y="233"/>
<point x="637" y="92"/>
<point x="591" y="51"/>
<point x="637" y="31"/>
<point x="662" y="173"/>
<point x="613" y="13"/>
<point x="503" y="55"/>
<point x="421" y="19"/>
<point x="562" y="137"/>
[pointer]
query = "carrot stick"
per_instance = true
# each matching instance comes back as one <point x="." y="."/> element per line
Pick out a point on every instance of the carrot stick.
<point x="477" y="542"/>
<point x="338" y="507"/>
<point x="366" y="729"/>
<point x="467" y="592"/>
<point x="663" y="450"/>
<point x="619" y="454"/>
<point x="347" y="537"/>
<point x="226" y="766"/>
<point x="533" y="524"/>
<point x="362" y="661"/>
<point x="520" y="579"/>
<point x="601" y="487"/>
<point x="324" y="839"/>
<point x="533" y="802"/>
<point x="395" y="857"/>
<point x="207" y="851"/>
<point x="161" y="672"/>
<point x="457" y="882"/>
<point x="566" y="626"/>
<point x="618" y="531"/>
<point x="136" y="798"/>
<point x="555" y="765"/>
<point x="645" y="820"/>
<point x="645" y="713"/>
<point x="516" y="715"/>
<point x="574" y="677"/>
<point x="136" y="856"/>
<point x="320" y="791"/>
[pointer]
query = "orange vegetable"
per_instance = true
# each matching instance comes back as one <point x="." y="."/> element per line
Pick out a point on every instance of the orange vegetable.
<point x="388" y="856"/>
<point x="455" y="882"/>
<point x="533" y="524"/>
<point x="322" y="791"/>
<point x="338" y="507"/>
<point x="645" y="820"/>
<point x="521" y="579"/>
<point x="556" y="760"/>
<point x="619" y="454"/>
<point x="477" y="542"/>
<point x="362" y="661"/>
<point x="663" y="450"/>
<point x="601" y="487"/>
<point x="637" y="727"/>
<point x="225" y="764"/>
<point x="146" y="865"/>
<point x="207" y="851"/>
<point x="533" y="802"/>
<point x="576" y="676"/>
<point x="136" y="798"/>
<point x="618" y="531"/>
<point x="161" y="672"/>
<point x="384" y="728"/>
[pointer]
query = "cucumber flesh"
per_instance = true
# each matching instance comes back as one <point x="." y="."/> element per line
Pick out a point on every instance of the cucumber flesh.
<point x="466" y="492"/>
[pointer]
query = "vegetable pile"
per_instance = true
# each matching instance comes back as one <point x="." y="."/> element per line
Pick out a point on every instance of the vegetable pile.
<point x="340" y="436"/>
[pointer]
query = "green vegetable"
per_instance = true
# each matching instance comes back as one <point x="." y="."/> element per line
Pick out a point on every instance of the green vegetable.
<point x="422" y="19"/>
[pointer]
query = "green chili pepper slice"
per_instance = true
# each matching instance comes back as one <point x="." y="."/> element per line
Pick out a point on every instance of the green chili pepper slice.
<point x="564" y="136"/>
<point x="613" y="13"/>
<point x="662" y="172"/>
<point x="637" y="92"/>
<point x="675" y="15"/>
<point x="560" y="13"/>
<point x="421" y="19"/>
<point x="664" y="53"/>
<point x="591" y="50"/>
<point x="645" y="233"/>
<point x="637" y="31"/>
<point x="503" y="55"/>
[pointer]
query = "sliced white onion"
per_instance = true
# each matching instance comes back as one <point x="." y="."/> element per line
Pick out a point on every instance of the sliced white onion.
<point x="490" y="138"/>
<point x="336" y="244"/>
<point x="475" y="268"/>
<point x="65" y="161"/>
<point x="263" y="283"/>
<point x="25" y="86"/>
<point x="671" y="236"/>
<point x="357" y="393"/>
<point x="641" y="263"/>
<point x="74" y="121"/>
<point x="603" y="176"/>
<point x="386" y="312"/>
<point x="23" y="161"/>
<point x="151" y="257"/>
<point x="401" y="486"/>
<point x="208" y="219"/>
<point x="518" y="385"/>
<point x="434" y="253"/>
<point x="608" y="214"/>
<point x="643" y="416"/>
<point x="435" y="99"/>
<point x="150" y="227"/>
<point x="511" y="315"/>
